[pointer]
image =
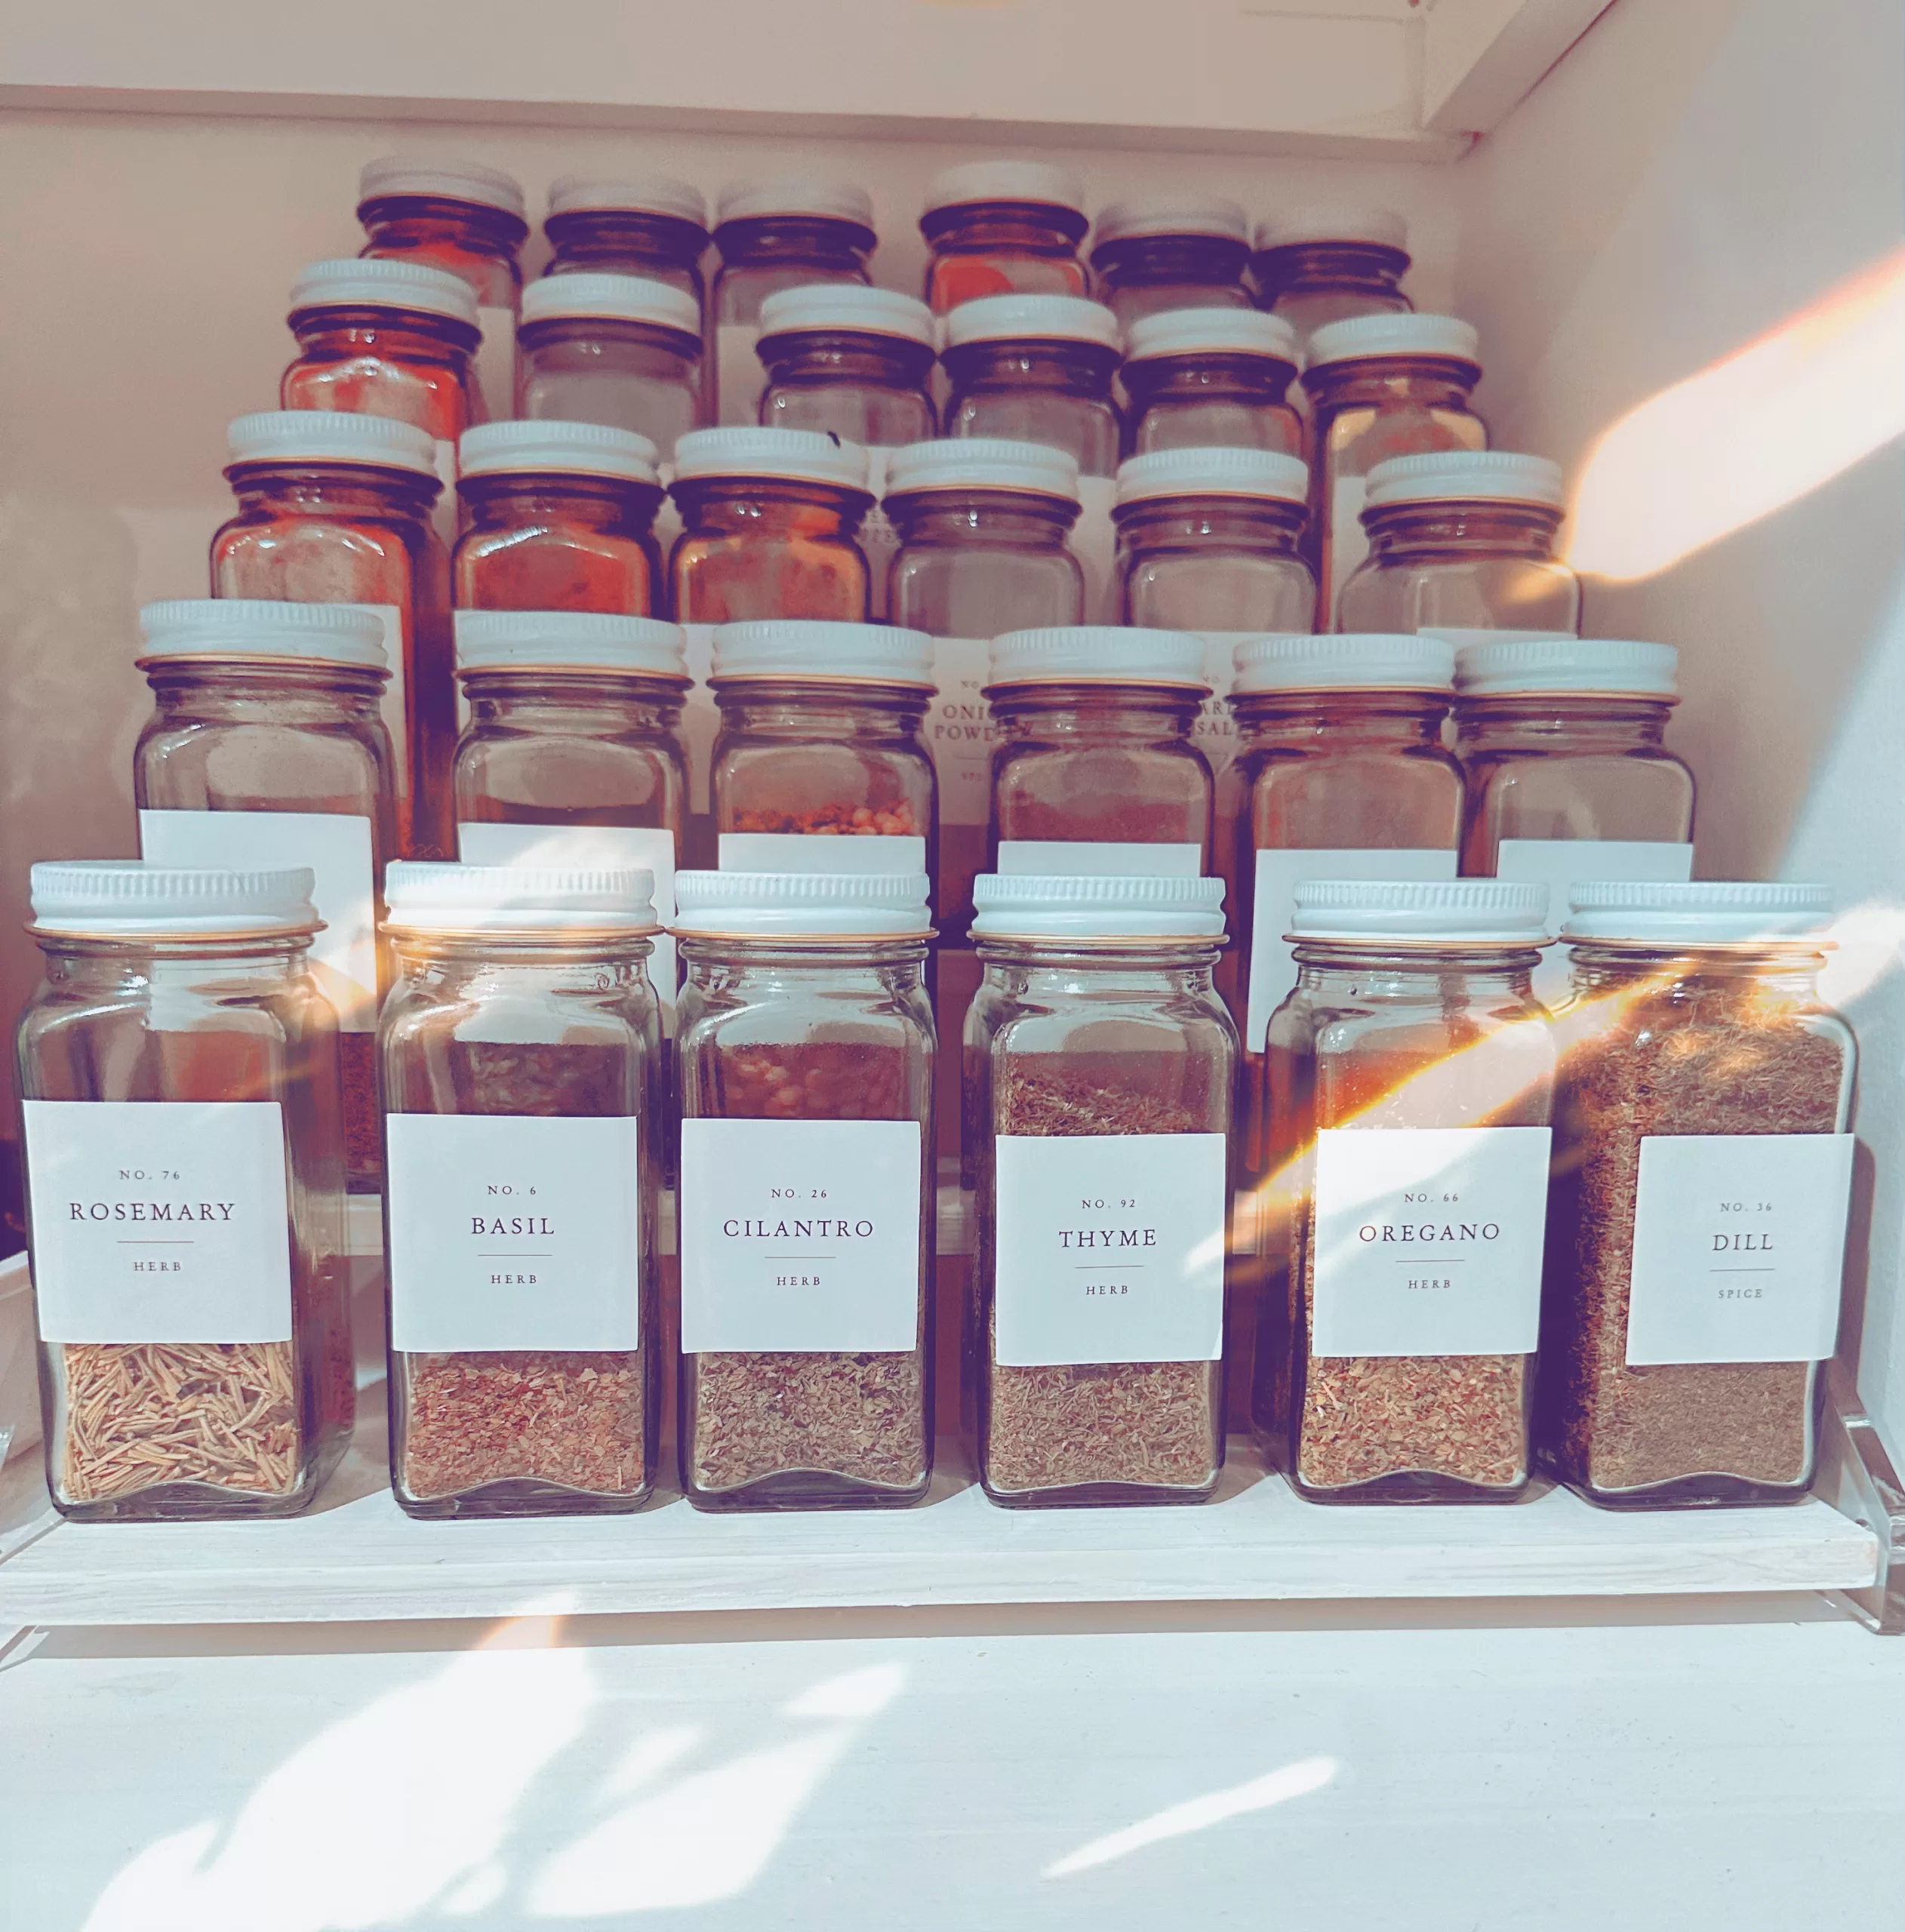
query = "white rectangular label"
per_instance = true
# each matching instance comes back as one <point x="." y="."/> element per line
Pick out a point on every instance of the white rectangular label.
<point x="159" y="1220"/>
<point x="513" y="1232"/>
<point x="959" y="732"/>
<point x="337" y="848"/>
<point x="1110" y="1248"/>
<point x="444" y="515"/>
<point x="1427" y="1241"/>
<point x="800" y="1236"/>
<point x="879" y="542"/>
<point x="1093" y="542"/>
<point x="1272" y="964"/>
<point x="1349" y="542"/>
<point x="818" y="852"/>
<point x="1562" y="864"/>
<point x="1739" y="1247"/>
<point x="1076" y="858"/>
<point x="391" y="707"/>
<point x="495" y="364"/>
<point x="739" y="375"/>
<point x="1215" y="732"/>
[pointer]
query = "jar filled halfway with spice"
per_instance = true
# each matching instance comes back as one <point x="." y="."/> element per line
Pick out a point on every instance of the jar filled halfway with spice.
<point x="850" y="362"/>
<point x="1159" y="252"/>
<point x="1321" y="264"/>
<point x="1703" y="1172"/>
<point x="1003" y="228"/>
<point x="1200" y="378"/>
<point x="521" y="1050"/>
<point x="805" y="1052"/>
<point x="1100" y="1064"/>
<point x="560" y="516"/>
<point x="1038" y="369"/>
<point x="1419" y="1073"/>
<point x="265" y="748"/>
<point x="177" y="1069"/>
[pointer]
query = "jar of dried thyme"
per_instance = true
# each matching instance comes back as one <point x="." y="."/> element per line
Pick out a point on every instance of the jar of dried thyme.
<point x="1702" y="1172"/>
<point x="521" y="1050"/>
<point x="184" y="1152"/>
<point x="1417" y="1075"/>
<point x="1100" y="1065"/>
<point x="804" y="1054"/>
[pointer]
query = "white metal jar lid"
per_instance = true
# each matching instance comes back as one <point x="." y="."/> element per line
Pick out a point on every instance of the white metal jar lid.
<point x="1038" y="183"/>
<point x="428" y="895"/>
<point x="1104" y="906"/>
<point x="379" y="282"/>
<point x="443" y="180"/>
<point x="547" y="447"/>
<point x="1701" y="913"/>
<point x="1461" y="912"/>
<point x="845" y="307"/>
<point x="982" y="463"/>
<point x="793" y="456"/>
<point x="613" y="298"/>
<point x="569" y="641"/>
<point x="1349" y="661"/>
<point x="331" y="435"/>
<point x="630" y="193"/>
<point x="115" y="897"/>
<point x="1171" y="213"/>
<point x="797" y="648"/>
<point x="1466" y="476"/>
<point x="1217" y="471"/>
<point x="1618" y="667"/>
<point x="797" y="906"/>
<point x="1032" y="318"/>
<point x="1211" y="332"/>
<point x="256" y="627"/>
<point x="1333" y="221"/>
<point x="811" y="195"/>
<point x="1099" y="654"/>
<point x="1364" y="338"/>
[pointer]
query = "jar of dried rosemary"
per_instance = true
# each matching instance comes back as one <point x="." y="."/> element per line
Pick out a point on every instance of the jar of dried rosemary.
<point x="1697" y="1241"/>
<point x="185" y="1172"/>
<point x="805" y="1050"/>
<point x="1099" y="1067"/>
<point x="521" y="1048"/>
<point x="1417" y="1071"/>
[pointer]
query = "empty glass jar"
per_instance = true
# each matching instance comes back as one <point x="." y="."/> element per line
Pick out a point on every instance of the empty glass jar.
<point x="1322" y="264"/>
<point x="654" y="226"/>
<point x="1003" y="228"/>
<point x="1164" y="251"/>
<point x="1198" y="378"/>
<point x="1036" y="369"/>
<point x="853" y="362"/>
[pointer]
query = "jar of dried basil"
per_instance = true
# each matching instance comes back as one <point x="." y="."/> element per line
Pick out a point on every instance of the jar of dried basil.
<point x="1696" y="1248"/>
<point x="1419" y="1074"/>
<point x="185" y="1174"/>
<point x="804" y="1050"/>
<point x="1100" y="1065"/>
<point x="521" y="1048"/>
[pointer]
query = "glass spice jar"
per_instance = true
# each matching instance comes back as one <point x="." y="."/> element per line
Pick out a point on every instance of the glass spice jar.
<point x="1322" y="264"/>
<point x="177" y="1068"/>
<point x="610" y="348"/>
<point x="1569" y="777"/>
<point x="852" y="362"/>
<point x="1003" y="228"/>
<point x="1420" y="1078"/>
<point x="521" y="1056"/>
<point x="1038" y="369"/>
<point x="265" y="747"/>
<point x="1379" y="386"/>
<point x="805" y="1054"/>
<point x="461" y="216"/>
<point x="336" y="509"/>
<point x="559" y="516"/>
<point x="1100" y="1066"/>
<point x="1200" y="378"/>
<point x="654" y="226"/>
<point x="1461" y="542"/>
<point x="1704" y="1170"/>
<point x="1155" y="253"/>
<point x="782" y="232"/>
<point x="768" y="521"/>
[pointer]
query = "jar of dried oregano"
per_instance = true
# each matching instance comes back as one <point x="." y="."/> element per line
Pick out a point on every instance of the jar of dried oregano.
<point x="804" y="1050"/>
<point x="1697" y="1243"/>
<point x="1418" y="1072"/>
<point x="521" y="1050"/>
<point x="1099" y="1065"/>
<point x="185" y="1174"/>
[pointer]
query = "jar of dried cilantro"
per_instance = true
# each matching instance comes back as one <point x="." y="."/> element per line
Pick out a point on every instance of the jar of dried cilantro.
<point x="184" y="1156"/>
<point x="1100" y="1063"/>
<point x="804" y="1050"/>
<point x="1697" y="1243"/>
<point x="1420" y="1075"/>
<point x="521" y="1050"/>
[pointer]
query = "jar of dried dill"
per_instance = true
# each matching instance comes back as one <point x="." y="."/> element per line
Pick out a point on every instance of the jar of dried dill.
<point x="804" y="1050"/>
<point x="520" y="1049"/>
<point x="1419" y="1074"/>
<point x="184" y="1156"/>
<point x="1698" y="1233"/>
<point x="1100" y="1063"/>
